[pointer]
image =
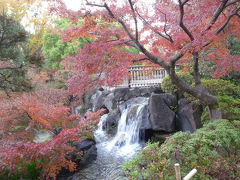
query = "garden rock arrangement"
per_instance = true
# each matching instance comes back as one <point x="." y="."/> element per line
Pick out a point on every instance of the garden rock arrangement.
<point x="162" y="113"/>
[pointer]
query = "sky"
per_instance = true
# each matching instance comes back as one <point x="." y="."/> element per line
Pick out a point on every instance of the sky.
<point x="73" y="4"/>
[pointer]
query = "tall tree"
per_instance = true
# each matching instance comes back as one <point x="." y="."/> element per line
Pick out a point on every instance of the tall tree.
<point x="54" y="47"/>
<point x="166" y="32"/>
<point x="12" y="75"/>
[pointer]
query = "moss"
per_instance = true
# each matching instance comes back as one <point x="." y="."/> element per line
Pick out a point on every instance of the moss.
<point x="214" y="150"/>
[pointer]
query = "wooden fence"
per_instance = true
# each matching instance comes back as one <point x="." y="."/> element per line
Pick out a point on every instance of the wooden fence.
<point x="144" y="76"/>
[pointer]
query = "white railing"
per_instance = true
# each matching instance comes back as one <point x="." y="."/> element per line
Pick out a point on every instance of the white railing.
<point x="144" y="76"/>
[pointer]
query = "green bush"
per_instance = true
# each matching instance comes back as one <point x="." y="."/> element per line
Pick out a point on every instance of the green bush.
<point x="220" y="87"/>
<point x="228" y="95"/>
<point x="213" y="150"/>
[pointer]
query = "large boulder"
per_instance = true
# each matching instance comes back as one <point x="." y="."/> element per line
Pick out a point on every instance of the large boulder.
<point x="144" y="92"/>
<point x="89" y="156"/>
<point x="185" y="119"/>
<point x="162" y="116"/>
<point x="145" y="118"/>
<point x="110" y="102"/>
<point x="121" y="94"/>
<point x="147" y="91"/>
<point x="85" y="145"/>
<point x="89" y="152"/>
<point x="97" y="100"/>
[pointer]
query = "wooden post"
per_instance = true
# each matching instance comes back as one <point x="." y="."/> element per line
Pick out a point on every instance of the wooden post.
<point x="190" y="174"/>
<point x="178" y="172"/>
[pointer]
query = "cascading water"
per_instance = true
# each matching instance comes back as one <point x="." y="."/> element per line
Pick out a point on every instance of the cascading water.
<point x="114" y="151"/>
<point x="127" y="139"/>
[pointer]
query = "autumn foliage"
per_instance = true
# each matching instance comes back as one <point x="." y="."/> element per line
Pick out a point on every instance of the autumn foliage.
<point x="167" y="33"/>
<point x="23" y="115"/>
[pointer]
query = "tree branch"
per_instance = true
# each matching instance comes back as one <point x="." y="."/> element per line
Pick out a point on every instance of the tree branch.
<point x="235" y="13"/>
<point x="185" y="29"/>
<point x="199" y="93"/>
<point x="175" y="58"/>
<point x="165" y="28"/>
<point x="196" y="73"/>
<point x="141" y="59"/>
<point x="217" y="14"/>
<point x="232" y="2"/>
<point x="167" y="37"/>
<point x="151" y="57"/>
<point x="135" y="19"/>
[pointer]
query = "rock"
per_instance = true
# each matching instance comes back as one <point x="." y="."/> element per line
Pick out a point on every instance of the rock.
<point x="85" y="144"/>
<point x="121" y="94"/>
<point x="146" y="92"/>
<point x="89" y="156"/>
<point x="97" y="100"/>
<point x="110" y="102"/>
<point x="88" y="147"/>
<point x="111" y="123"/>
<point x="143" y="92"/>
<point x="185" y="120"/>
<point x="170" y="100"/>
<point x="145" y="118"/>
<point x="162" y="118"/>
<point x="86" y="99"/>
<point x="146" y="134"/>
<point x="135" y="92"/>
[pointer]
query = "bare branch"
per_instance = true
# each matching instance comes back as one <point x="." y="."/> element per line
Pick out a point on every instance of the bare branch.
<point x="141" y="59"/>
<point x="185" y="29"/>
<point x="235" y="13"/>
<point x="217" y="14"/>
<point x="92" y="4"/>
<point x="135" y="19"/>
<point x="232" y="2"/>
<point x="165" y="28"/>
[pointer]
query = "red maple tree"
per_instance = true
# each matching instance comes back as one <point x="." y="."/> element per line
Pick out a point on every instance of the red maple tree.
<point x="166" y="32"/>
<point x="22" y="115"/>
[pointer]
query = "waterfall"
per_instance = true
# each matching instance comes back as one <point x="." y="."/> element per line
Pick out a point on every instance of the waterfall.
<point x="127" y="139"/>
<point x="112" y="152"/>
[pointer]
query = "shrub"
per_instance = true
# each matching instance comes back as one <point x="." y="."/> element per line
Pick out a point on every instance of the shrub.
<point x="228" y="95"/>
<point x="220" y="87"/>
<point x="213" y="150"/>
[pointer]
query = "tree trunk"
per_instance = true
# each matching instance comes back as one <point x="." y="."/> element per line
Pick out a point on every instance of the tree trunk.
<point x="214" y="112"/>
<point x="198" y="92"/>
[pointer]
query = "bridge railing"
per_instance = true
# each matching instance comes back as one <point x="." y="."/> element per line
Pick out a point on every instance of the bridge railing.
<point x="144" y="76"/>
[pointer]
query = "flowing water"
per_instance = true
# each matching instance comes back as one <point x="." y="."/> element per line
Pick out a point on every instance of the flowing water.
<point x="112" y="152"/>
